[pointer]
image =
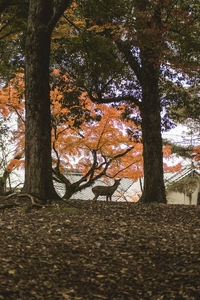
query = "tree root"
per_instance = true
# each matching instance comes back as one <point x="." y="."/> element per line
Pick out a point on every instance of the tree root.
<point x="13" y="200"/>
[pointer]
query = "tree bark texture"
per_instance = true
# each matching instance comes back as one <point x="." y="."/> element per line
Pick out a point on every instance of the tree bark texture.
<point x="154" y="188"/>
<point x="42" y="18"/>
<point x="148" y="76"/>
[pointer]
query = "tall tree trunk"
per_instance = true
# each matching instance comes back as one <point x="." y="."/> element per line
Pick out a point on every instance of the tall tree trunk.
<point x="42" y="18"/>
<point x="154" y="189"/>
<point x="38" y="167"/>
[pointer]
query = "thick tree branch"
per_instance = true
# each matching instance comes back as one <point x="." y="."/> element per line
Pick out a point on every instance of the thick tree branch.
<point x="101" y="100"/>
<point x="125" y="49"/>
<point x="58" y="7"/>
<point x="61" y="177"/>
<point x="123" y="153"/>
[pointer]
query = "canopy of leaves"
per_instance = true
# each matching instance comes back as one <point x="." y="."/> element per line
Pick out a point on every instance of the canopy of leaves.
<point x="100" y="44"/>
<point x="13" y="16"/>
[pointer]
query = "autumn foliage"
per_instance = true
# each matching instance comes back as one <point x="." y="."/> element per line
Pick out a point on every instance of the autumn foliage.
<point x="196" y="153"/>
<point x="103" y="142"/>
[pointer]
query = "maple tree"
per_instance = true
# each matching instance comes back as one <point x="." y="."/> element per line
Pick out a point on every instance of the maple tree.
<point x="97" y="141"/>
<point x="106" y="141"/>
<point x="142" y="50"/>
<point x="104" y="148"/>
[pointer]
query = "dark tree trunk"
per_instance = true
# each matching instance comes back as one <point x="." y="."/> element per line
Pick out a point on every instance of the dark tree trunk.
<point x="38" y="173"/>
<point x="42" y="18"/>
<point x="147" y="73"/>
<point x="154" y="189"/>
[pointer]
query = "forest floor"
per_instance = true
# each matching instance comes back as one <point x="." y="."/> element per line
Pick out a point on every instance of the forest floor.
<point x="84" y="250"/>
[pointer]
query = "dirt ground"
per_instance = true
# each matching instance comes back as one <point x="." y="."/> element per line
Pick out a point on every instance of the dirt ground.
<point x="83" y="250"/>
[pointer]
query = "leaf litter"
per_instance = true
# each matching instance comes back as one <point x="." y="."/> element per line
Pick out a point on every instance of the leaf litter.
<point x="85" y="250"/>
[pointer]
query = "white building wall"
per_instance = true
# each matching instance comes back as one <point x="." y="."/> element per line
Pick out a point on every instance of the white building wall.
<point x="181" y="198"/>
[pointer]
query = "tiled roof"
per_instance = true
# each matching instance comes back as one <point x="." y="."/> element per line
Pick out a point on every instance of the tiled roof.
<point x="180" y="175"/>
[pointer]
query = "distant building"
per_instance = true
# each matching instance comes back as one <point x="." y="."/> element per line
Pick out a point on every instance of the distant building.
<point x="126" y="191"/>
<point x="184" y="187"/>
<point x="181" y="188"/>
